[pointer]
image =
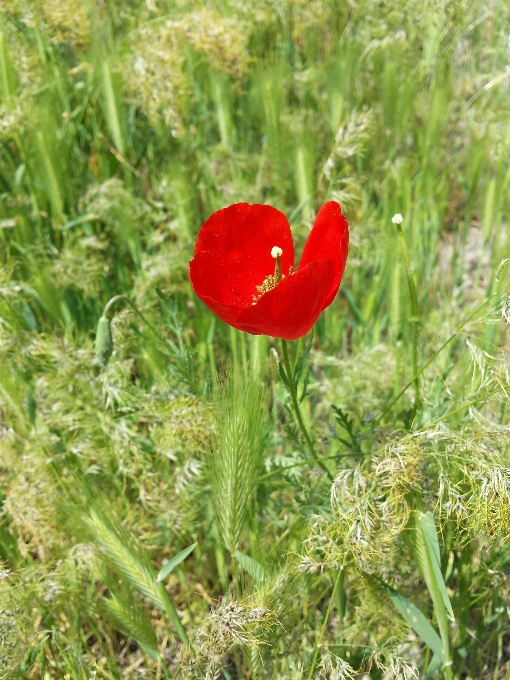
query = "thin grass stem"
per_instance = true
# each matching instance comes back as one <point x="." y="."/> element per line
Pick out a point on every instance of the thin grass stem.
<point x="415" y="317"/>
<point x="324" y="625"/>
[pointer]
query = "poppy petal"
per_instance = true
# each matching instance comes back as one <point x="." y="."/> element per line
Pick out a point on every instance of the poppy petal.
<point x="243" y="236"/>
<point x="290" y="309"/>
<point x="210" y="277"/>
<point x="216" y="292"/>
<point x="328" y="240"/>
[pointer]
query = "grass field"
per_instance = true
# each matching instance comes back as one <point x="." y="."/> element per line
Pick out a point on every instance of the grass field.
<point x="123" y="126"/>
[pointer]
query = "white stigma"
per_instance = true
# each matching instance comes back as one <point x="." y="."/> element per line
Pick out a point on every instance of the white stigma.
<point x="276" y="252"/>
<point x="397" y="219"/>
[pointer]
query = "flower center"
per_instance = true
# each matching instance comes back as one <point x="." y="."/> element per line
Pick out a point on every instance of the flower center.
<point x="272" y="279"/>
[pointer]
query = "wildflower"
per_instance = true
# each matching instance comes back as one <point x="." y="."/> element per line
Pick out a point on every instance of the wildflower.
<point x="233" y="270"/>
<point x="397" y="218"/>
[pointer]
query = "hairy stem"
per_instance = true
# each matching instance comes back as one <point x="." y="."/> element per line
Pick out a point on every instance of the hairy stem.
<point x="297" y="411"/>
<point x="414" y="307"/>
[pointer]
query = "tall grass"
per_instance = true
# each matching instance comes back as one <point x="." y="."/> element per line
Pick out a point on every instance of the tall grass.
<point x="122" y="127"/>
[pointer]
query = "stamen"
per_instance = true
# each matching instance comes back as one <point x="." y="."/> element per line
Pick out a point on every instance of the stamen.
<point x="273" y="279"/>
<point x="277" y="252"/>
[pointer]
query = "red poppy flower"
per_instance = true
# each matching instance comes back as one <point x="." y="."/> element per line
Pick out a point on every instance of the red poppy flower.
<point x="233" y="269"/>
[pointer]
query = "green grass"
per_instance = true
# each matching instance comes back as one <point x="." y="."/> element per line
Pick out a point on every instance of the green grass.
<point x="123" y="126"/>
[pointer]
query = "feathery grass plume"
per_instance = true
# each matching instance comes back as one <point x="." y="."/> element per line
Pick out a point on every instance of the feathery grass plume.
<point x="229" y="624"/>
<point x="9" y="639"/>
<point x="339" y="169"/>
<point x="332" y="667"/>
<point x="80" y="265"/>
<point x="63" y="21"/>
<point x="369" y="510"/>
<point x="153" y="76"/>
<point x="129" y="617"/>
<point x="235" y="461"/>
<point x="126" y="217"/>
<point x="29" y="498"/>
<point x="122" y="552"/>
<point x="221" y="39"/>
<point x="16" y="618"/>
<point x="392" y="665"/>
<point x="20" y="76"/>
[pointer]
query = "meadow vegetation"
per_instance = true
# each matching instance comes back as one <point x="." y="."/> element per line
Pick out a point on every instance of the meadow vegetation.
<point x="123" y="126"/>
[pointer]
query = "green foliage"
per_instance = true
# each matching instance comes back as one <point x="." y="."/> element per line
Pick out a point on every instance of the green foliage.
<point x="123" y="126"/>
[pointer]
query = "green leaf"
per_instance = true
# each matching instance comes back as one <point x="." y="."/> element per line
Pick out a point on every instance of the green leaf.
<point x="301" y="361"/>
<point x="429" y="532"/>
<point x="427" y="557"/>
<point x="418" y="621"/>
<point x="82" y="219"/>
<point x="305" y="387"/>
<point x="152" y="653"/>
<point x="254" y="569"/>
<point x="433" y="666"/>
<point x="32" y="655"/>
<point x="283" y="375"/>
<point x="167" y="568"/>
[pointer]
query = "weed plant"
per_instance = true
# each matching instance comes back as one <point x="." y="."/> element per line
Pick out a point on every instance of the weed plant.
<point x="160" y="516"/>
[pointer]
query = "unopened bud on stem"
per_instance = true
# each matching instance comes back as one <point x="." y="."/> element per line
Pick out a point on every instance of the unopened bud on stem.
<point x="104" y="340"/>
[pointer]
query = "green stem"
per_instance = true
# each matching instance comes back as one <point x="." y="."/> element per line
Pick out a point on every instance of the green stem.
<point x="341" y="600"/>
<point x="324" y="625"/>
<point x="464" y="406"/>
<point x="135" y="309"/>
<point x="173" y="615"/>
<point x="414" y="307"/>
<point x="297" y="411"/>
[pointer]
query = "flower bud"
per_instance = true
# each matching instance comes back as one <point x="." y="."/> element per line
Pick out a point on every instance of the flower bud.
<point x="104" y="340"/>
